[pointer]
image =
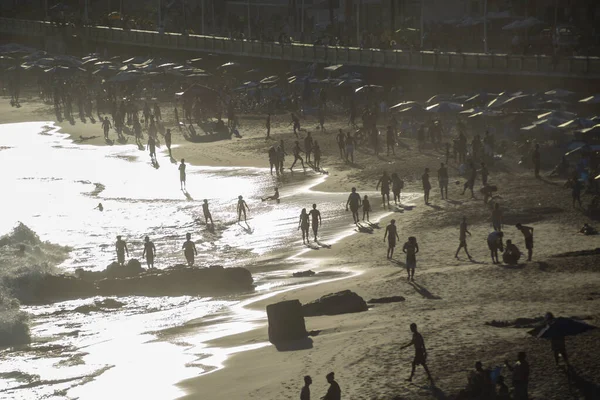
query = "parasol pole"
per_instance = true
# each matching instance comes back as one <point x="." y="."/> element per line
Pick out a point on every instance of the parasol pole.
<point x="159" y="14"/>
<point x="485" y="43"/>
<point x="85" y="11"/>
<point x="422" y="24"/>
<point x="202" y="6"/>
<point x="358" y="23"/>
<point x="249" y="28"/>
<point x="212" y="9"/>
<point x="302" y="18"/>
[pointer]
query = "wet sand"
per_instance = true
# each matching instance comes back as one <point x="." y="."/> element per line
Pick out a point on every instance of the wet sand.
<point x="451" y="300"/>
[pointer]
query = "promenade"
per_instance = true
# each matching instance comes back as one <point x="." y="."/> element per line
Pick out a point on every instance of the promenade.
<point x="578" y="67"/>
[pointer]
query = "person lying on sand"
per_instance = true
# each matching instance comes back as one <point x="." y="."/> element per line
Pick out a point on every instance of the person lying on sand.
<point x="273" y="197"/>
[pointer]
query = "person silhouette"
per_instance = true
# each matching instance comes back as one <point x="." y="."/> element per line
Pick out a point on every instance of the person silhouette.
<point x="520" y="376"/>
<point x="420" y="352"/>
<point x="384" y="181"/>
<point x="121" y="247"/>
<point x="296" y="151"/>
<point x="305" y="393"/>
<point x="354" y="202"/>
<point x="241" y="208"/>
<point x="366" y="208"/>
<point x="426" y="185"/>
<point x="497" y="217"/>
<point x="189" y="249"/>
<point x="149" y="252"/>
<point x="463" y="238"/>
<point x="443" y="180"/>
<point x="527" y="232"/>
<point x="316" y="220"/>
<point x="168" y="140"/>
<point x="151" y="147"/>
<point x="106" y="127"/>
<point x="268" y="126"/>
<point x="303" y="224"/>
<point x="494" y="242"/>
<point x="411" y="248"/>
<point x="391" y="233"/>
<point x="206" y="212"/>
<point x="557" y="343"/>
<point x="99" y="207"/>
<point x="273" y="197"/>
<point x="182" y="174"/>
<point x="334" y="392"/>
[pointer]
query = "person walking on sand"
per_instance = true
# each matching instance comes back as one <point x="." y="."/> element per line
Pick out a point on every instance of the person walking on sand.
<point x="366" y="208"/>
<point x="149" y="252"/>
<point x="106" y="126"/>
<point x="390" y="140"/>
<point x="206" y="212"/>
<point x="411" y="248"/>
<point x="273" y="162"/>
<point x="341" y="142"/>
<point x="305" y="393"/>
<point x="384" y="181"/>
<point x="426" y="185"/>
<point x="472" y="175"/>
<point x="281" y="155"/>
<point x="308" y="146"/>
<point x="520" y="376"/>
<point x="463" y="238"/>
<point x="494" y="242"/>
<point x="497" y="219"/>
<point x="527" y="232"/>
<point x="121" y="247"/>
<point x="350" y="143"/>
<point x="182" y="174"/>
<point x="484" y="174"/>
<point x="189" y="249"/>
<point x="168" y="141"/>
<point x="317" y="155"/>
<point x="391" y="233"/>
<point x="420" y="353"/>
<point x="536" y="158"/>
<point x="297" y="150"/>
<point x="268" y="126"/>
<point x="152" y="147"/>
<point x="443" y="180"/>
<point x="303" y="225"/>
<point x="296" y="124"/>
<point x="557" y="343"/>
<point x="334" y="392"/>
<point x="241" y="208"/>
<point x="354" y="202"/>
<point x="316" y="220"/>
<point x="397" y="186"/>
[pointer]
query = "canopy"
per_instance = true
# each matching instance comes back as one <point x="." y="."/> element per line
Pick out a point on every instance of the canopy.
<point x="445" y="107"/>
<point x="595" y="99"/>
<point x="559" y="93"/>
<point x="577" y="123"/>
<point x="522" y="24"/>
<point x="332" y="68"/>
<point x="372" y="88"/>
<point x="404" y="104"/>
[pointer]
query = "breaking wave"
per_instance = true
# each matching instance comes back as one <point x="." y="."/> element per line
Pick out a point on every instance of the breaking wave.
<point x="22" y="256"/>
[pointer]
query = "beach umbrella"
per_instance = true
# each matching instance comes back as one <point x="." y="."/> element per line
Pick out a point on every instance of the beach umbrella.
<point x="126" y="76"/>
<point x="438" y="98"/>
<point x="59" y="7"/>
<point x="561" y="327"/>
<point x="445" y="108"/>
<point x="369" y="88"/>
<point x="486" y="113"/>
<point x="403" y="105"/>
<point x="90" y="61"/>
<point x="554" y="121"/>
<point x="542" y="129"/>
<point x="229" y="65"/>
<point x="198" y="90"/>
<point x="350" y="75"/>
<point x="559" y="93"/>
<point x="557" y="114"/>
<point x="522" y="24"/>
<point x="269" y="80"/>
<point x="577" y="123"/>
<point x="515" y="102"/>
<point x="333" y="68"/>
<point x="595" y="99"/>
<point x="167" y="65"/>
<point x="414" y="110"/>
<point x="115" y="15"/>
<point x="350" y="82"/>
<point x="591" y="131"/>
<point x="194" y="61"/>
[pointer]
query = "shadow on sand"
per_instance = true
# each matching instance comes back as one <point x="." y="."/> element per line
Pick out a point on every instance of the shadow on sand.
<point x="589" y="390"/>
<point x="187" y="195"/>
<point x="424" y="292"/>
<point x="293" y="345"/>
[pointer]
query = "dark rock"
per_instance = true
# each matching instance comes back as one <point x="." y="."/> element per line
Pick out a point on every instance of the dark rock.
<point x="335" y="303"/>
<point x="49" y="288"/>
<point x="132" y="268"/>
<point x="99" y="306"/>
<point x="384" y="300"/>
<point x="302" y="274"/>
<point x="90" y="276"/>
<point x="286" y="321"/>
<point x="178" y="281"/>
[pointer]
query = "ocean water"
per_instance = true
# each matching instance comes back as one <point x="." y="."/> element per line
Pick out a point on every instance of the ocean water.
<point x="51" y="185"/>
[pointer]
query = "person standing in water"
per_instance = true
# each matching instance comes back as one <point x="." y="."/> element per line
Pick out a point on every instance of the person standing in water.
<point x="189" y="249"/>
<point x="426" y="185"/>
<point x="391" y="233"/>
<point x="206" y="212"/>
<point x="121" y="247"/>
<point x="182" y="174"/>
<point x="241" y="208"/>
<point x="168" y="141"/>
<point x="527" y="232"/>
<point x="152" y="147"/>
<point x="366" y="208"/>
<point x="106" y="127"/>
<point x="316" y="220"/>
<point x="354" y="202"/>
<point x="149" y="252"/>
<point x="411" y="248"/>
<point x="303" y="225"/>
<point x="384" y="181"/>
<point x="463" y="238"/>
<point x="420" y="352"/>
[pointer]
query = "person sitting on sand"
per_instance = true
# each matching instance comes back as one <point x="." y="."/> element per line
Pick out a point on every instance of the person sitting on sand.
<point x="354" y="202"/>
<point x="502" y="392"/>
<point x="121" y="247"/>
<point x="411" y="248"/>
<point x="511" y="254"/>
<point x="206" y="212"/>
<point x="366" y="208"/>
<point x="494" y="242"/>
<point x="99" y="207"/>
<point x="189" y="249"/>
<point x="391" y="232"/>
<point x="334" y="392"/>
<point x="420" y="352"/>
<point x="527" y="232"/>
<point x="241" y="208"/>
<point x="149" y="252"/>
<point x="588" y="230"/>
<point x="273" y="197"/>
<point x="463" y="238"/>
<point x="305" y="393"/>
<point x="480" y="383"/>
<point x="303" y="225"/>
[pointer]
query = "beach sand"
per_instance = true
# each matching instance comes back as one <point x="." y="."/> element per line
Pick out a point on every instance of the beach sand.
<point x="451" y="300"/>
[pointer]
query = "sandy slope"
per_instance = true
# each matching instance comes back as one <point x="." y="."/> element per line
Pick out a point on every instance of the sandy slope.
<point x="450" y="301"/>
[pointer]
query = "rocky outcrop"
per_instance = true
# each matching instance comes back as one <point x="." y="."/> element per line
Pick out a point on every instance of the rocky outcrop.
<point x="99" y="306"/>
<point x="132" y="279"/>
<point x="303" y="274"/>
<point x="385" y="300"/>
<point x="286" y="321"/>
<point x="335" y="303"/>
